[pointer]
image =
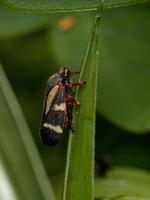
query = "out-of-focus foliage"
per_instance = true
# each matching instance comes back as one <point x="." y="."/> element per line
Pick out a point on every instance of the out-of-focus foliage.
<point x="6" y="185"/>
<point x="124" y="96"/>
<point x="121" y="147"/>
<point x="17" y="151"/>
<point x="123" y="183"/>
<point x="37" y="45"/>
<point x="123" y="90"/>
<point x="15" y="23"/>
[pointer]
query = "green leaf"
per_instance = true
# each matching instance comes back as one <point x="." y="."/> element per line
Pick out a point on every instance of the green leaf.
<point x="66" y="44"/>
<point x="123" y="183"/>
<point x="80" y="155"/>
<point x="64" y="6"/>
<point x="121" y="3"/>
<point x="124" y="88"/>
<point x="5" y="185"/>
<point x="19" y="156"/>
<point x="51" y="5"/>
<point x="14" y="23"/>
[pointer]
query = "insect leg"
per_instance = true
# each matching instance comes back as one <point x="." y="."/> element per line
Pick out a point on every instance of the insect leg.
<point x="69" y="113"/>
<point x="78" y="83"/>
<point x="74" y="100"/>
<point x="70" y="85"/>
<point x="75" y="72"/>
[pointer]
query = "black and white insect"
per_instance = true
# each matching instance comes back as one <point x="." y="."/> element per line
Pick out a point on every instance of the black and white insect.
<point x="57" y="112"/>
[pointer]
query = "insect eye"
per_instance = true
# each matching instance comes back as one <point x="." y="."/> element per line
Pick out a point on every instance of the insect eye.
<point x="63" y="74"/>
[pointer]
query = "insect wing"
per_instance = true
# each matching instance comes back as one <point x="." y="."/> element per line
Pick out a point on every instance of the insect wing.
<point x="53" y="80"/>
<point x="54" y="116"/>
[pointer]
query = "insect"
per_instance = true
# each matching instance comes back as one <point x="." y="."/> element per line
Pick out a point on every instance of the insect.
<point x="57" y="112"/>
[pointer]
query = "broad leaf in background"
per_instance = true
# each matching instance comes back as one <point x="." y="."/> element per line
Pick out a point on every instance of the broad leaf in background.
<point x="79" y="175"/>
<point x="73" y="41"/>
<point x="17" y="150"/>
<point x="64" y="6"/>
<point x="124" y="96"/>
<point x="123" y="91"/>
<point x="13" y="23"/>
<point x="123" y="183"/>
<point x="121" y="3"/>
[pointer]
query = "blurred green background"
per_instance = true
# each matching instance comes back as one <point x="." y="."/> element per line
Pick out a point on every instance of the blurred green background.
<point x="34" y="46"/>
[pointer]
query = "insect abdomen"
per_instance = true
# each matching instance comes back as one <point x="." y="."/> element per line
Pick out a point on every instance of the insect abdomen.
<point x="54" y="116"/>
<point x="49" y="137"/>
<point x="52" y="126"/>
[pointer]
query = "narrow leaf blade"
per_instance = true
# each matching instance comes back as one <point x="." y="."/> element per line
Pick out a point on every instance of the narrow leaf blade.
<point x="18" y="153"/>
<point x="80" y="158"/>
